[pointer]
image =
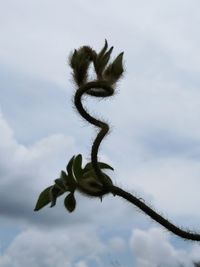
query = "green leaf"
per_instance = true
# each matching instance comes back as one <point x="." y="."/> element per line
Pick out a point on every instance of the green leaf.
<point x="77" y="167"/>
<point x="71" y="183"/>
<point x="102" y="62"/>
<point x="69" y="166"/>
<point x="102" y="52"/>
<point x="70" y="202"/>
<point x="117" y="65"/>
<point x="54" y="193"/>
<point x="44" y="199"/>
<point x="60" y="183"/>
<point x="79" y="61"/>
<point x="114" y="71"/>
<point x="101" y="165"/>
<point x="101" y="59"/>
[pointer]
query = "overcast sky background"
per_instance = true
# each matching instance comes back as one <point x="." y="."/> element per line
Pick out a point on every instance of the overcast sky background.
<point x="154" y="144"/>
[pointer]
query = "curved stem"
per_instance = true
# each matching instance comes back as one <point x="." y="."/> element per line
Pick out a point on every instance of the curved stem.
<point x="106" y="90"/>
<point x="154" y="215"/>
<point x="89" y="89"/>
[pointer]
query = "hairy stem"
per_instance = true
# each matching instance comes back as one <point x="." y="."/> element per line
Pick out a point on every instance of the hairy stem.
<point x="154" y="215"/>
<point x="103" y="89"/>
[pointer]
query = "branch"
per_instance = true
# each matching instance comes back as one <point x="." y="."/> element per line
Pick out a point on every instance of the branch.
<point x="107" y="90"/>
<point x="91" y="180"/>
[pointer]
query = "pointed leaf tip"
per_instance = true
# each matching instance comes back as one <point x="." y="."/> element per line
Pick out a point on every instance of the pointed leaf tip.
<point x="44" y="199"/>
<point x="114" y="70"/>
<point x="103" y="50"/>
<point x="69" y="166"/>
<point x="77" y="167"/>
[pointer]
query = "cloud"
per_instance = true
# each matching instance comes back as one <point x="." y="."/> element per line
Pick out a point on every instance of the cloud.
<point x="152" y="248"/>
<point x="159" y="153"/>
<point x="155" y="143"/>
<point x="25" y="170"/>
<point x="159" y="177"/>
<point x="195" y="253"/>
<point x="37" y="248"/>
<point x="42" y="44"/>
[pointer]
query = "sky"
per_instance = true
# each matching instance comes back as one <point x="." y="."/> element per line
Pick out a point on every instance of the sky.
<point x="153" y="145"/>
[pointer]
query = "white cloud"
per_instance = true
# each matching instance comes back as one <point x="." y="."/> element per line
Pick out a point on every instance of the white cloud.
<point x="44" y="37"/>
<point x="153" y="249"/>
<point x="35" y="248"/>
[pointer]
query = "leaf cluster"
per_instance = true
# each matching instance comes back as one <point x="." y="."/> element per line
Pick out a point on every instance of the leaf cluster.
<point x="74" y="178"/>
<point x="114" y="70"/>
<point x="81" y="59"/>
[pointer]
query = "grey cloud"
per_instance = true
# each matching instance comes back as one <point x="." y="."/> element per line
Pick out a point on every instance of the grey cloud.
<point x="35" y="107"/>
<point x="161" y="177"/>
<point x="163" y="144"/>
<point x="25" y="170"/>
<point x="152" y="248"/>
<point x="159" y="93"/>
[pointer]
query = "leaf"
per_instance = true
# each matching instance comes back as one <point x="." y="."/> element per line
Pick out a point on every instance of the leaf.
<point x="106" y="57"/>
<point x="69" y="166"/>
<point x="77" y="167"/>
<point x="54" y="193"/>
<point x="102" y="52"/>
<point x="117" y="65"/>
<point x="101" y="165"/>
<point x="44" y="199"/>
<point x="70" y="202"/>
<point x="102" y="62"/>
<point x="79" y="61"/>
<point x="60" y="183"/>
<point x="71" y="183"/>
<point x="115" y="69"/>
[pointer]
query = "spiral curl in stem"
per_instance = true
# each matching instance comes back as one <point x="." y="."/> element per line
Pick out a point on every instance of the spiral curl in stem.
<point x="89" y="89"/>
